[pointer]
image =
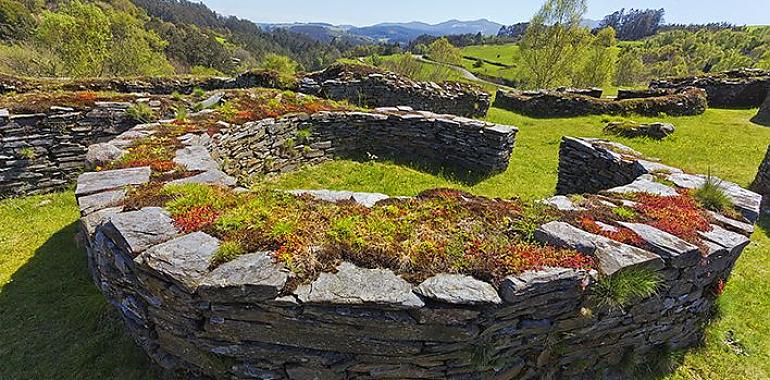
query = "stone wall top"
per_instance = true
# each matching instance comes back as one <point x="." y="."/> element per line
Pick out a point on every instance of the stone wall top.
<point x="744" y="88"/>
<point x="688" y="101"/>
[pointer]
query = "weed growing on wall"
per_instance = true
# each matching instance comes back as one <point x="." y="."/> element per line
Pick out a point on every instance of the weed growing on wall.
<point x="625" y="287"/>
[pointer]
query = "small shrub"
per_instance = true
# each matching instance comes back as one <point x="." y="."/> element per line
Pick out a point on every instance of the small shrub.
<point x="28" y="153"/>
<point x="478" y="64"/>
<point x="176" y="96"/>
<point x="711" y="196"/>
<point x="181" y="114"/>
<point x="284" y="66"/>
<point x="624" y="212"/>
<point x="626" y="286"/>
<point x="141" y="112"/>
<point x="198" y="92"/>
<point x="303" y="135"/>
<point x="228" y="251"/>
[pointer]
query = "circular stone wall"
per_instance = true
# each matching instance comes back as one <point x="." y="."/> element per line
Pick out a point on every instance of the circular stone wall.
<point x="242" y="321"/>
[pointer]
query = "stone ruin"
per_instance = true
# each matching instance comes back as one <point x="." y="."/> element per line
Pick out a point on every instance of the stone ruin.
<point x="467" y="147"/>
<point x="44" y="151"/>
<point x="238" y="322"/>
<point x="367" y="87"/>
<point x="763" y="116"/>
<point x="685" y="102"/>
<point x="744" y="88"/>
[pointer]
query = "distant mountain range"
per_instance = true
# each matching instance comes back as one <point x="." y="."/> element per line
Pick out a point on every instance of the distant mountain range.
<point x="401" y="33"/>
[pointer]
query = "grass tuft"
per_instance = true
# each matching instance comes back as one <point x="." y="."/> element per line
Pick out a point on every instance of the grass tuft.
<point x="626" y="286"/>
<point x="711" y="196"/>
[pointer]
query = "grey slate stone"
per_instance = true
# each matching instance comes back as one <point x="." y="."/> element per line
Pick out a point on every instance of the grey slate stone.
<point x="540" y="282"/>
<point x="195" y="158"/>
<point x="211" y="177"/>
<point x="652" y="167"/>
<point x="563" y="203"/>
<point x="98" y="201"/>
<point x="458" y="290"/>
<point x="184" y="260"/>
<point x="102" y="154"/>
<point x="211" y="101"/>
<point x="254" y="277"/>
<point x="732" y="224"/>
<point x="733" y="242"/>
<point x="645" y="184"/>
<point x="364" y="199"/>
<point x="680" y="252"/>
<point x="136" y="231"/>
<point x="358" y="286"/>
<point x="94" y="182"/>
<point x="611" y="256"/>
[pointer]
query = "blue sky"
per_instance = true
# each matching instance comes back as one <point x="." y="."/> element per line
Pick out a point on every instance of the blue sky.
<point x="365" y="12"/>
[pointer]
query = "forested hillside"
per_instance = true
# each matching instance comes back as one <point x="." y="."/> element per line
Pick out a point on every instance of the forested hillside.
<point x="141" y="37"/>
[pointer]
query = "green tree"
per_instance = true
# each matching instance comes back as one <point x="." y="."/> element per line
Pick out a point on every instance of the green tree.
<point x="442" y="50"/>
<point x="599" y="61"/>
<point x="133" y="50"/>
<point x="79" y="34"/>
<point x="554" y="37"/>
<point x="631" y="71"/>
<point x="15" y="20"/>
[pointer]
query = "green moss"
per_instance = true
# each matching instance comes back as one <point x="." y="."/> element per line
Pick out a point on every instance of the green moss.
<point x="624" y="213"/>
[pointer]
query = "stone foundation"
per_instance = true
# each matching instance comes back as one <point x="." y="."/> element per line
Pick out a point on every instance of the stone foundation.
<point x="370" y="88"/>
<point x="242" y="321"/>
<point x="733" y="89"/>
<point x="689" y="101"/>
<point x="464" y="146"/>
<point x="43" y="152"/>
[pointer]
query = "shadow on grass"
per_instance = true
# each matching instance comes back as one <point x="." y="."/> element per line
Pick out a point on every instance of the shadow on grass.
<point x="55" y="324"/>
<point x="451" y="172"/>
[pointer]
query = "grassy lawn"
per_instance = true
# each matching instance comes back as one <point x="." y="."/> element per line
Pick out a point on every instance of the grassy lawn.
<point x="55" y="324"/>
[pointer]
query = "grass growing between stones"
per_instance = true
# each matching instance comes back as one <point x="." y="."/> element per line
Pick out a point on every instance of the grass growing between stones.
<point x="626" y="287"/>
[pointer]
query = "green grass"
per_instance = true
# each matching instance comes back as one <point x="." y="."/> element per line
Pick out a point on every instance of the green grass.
<point x="55" y="324"/>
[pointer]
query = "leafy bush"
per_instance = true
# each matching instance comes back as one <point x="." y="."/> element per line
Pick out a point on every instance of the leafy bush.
<point x="711" y="196"/>
<point x="284" y="66"/>
<point x="626" y="286"/>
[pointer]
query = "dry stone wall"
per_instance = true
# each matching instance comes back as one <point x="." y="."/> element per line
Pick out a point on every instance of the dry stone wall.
<point x="469" y="147"/>
<point x="744" y="88"/>
<point x="242" y="321"/>
<point x="688" y="101"/>
<point x="369" y="88"/>
<point x="763" y="116"/>
<point x="46" y="151"/>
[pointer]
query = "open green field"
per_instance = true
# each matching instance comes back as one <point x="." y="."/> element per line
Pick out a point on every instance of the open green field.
<point x="55" y="324"/>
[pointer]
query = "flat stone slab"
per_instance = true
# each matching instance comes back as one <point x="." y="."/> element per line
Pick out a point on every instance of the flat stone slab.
<point x="611" y="256"/>
<point x="458" y="290"/>
<point x="137" y="231"/>
<point x="536" y="282"/>
<point x="184" y="260"/>
<point x="94" y="182"/>
<point x="733" y="242"/>
<point x="254" y="277"/>
<point x="352" y="285"/>
<point x="732" y="224"/>
<point x="563" y="203"/>
<point x="364" y="199"/>
<point x="98" y="201"/>
<point x="102" y="154"/>
<point x="211" y="177"/>
<point x="646" y="185"/>
<point x="656" y="167"/>
<point x="195" y="158"/>
<point x="666" y="245"/>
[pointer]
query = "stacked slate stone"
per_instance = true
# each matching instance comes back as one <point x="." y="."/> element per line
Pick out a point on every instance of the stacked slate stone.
<point x="641" y="94"/>
<point x="763" y="116"/>
<point x="242" y="321"/>
<point x="744" y="88"/>
<point x="145" y="85"/>
<point x="761" y="183"/>
<point x="387" y="89"/>
<point x="43" y="152"/>
<point x="589" y="165"/>
<point x="464" y="146"/>
<point x="686" y="102"/>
